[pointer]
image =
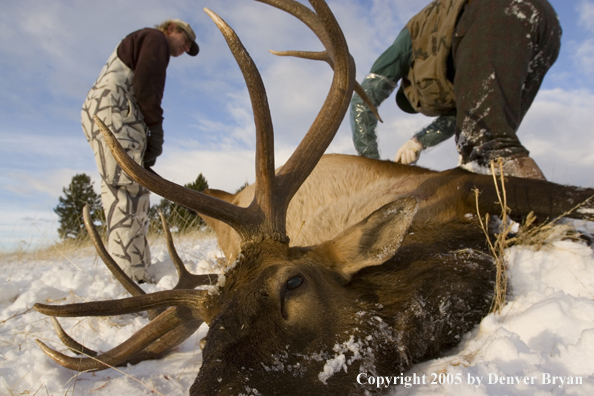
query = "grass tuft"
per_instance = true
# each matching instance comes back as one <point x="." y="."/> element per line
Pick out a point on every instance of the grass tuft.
<point x="498" y="246"/>
<point x="529" y="234"/>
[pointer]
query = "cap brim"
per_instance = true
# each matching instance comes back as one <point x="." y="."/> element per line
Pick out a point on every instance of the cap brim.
<point x="194" y="49"/>
<point x="403" y="103"/>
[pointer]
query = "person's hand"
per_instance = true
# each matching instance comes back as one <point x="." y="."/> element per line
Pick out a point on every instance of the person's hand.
<point x="154" y="145"/>
<point x="409" y="152"/>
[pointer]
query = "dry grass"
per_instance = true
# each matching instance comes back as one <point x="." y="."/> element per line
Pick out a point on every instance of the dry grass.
<point x="541" y="236"/>
<point x="71" y="248"/>
<point x="501" y="242"/>
<point x="529" y="234"/>
<point x="59" y="250"/>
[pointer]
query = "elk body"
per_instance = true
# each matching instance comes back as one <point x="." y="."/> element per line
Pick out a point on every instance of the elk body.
<point x="338" y="265"/>
<point x="365" y="312"/>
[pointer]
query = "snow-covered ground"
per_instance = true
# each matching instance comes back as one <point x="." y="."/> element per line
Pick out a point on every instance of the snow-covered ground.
<point x="542" y="341"/>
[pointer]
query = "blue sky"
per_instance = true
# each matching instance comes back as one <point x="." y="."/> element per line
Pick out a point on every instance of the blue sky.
<point x="51" y="53"/>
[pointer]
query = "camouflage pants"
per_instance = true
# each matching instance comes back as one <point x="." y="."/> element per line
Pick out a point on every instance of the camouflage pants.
<point x="502" y="50"/>
<point x="125" y="203"/>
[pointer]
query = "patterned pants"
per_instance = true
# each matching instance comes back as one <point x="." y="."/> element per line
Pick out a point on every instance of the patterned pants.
<point x="125" y="203"/>
<point x="502" y="50"/>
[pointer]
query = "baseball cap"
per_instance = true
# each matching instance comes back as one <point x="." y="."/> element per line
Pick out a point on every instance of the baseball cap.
<point x="194" y="49"/>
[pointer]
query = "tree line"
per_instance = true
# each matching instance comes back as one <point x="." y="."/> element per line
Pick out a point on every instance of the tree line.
<point x="80" y="192"/>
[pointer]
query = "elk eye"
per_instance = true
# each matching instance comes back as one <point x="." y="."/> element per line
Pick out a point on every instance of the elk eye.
<point x="294" y="283"/>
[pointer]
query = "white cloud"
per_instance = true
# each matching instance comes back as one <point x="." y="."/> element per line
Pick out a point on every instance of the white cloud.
<point x="557" y="131"/>
<point x="37" y="145"/>
<point x="48" y="182"/>
<point x="584" y="56"/>
<point x="586" y="14"/>
<point x="225" y="170"/>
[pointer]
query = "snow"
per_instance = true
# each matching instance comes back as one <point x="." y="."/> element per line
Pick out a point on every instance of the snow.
<point x="25" y="281"/>
<point x="546" y="330"/>
<point x="339" y="361"/>
<point x="545" y="333"/>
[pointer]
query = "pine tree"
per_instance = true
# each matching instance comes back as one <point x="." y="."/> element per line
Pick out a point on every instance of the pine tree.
<point x="244" y="185"/>
<point x="176" y="215"/>
<point x="200" y="184"/>
<point x="70" y="209"/>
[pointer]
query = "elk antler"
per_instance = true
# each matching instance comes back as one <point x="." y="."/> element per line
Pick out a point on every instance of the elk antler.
<point x="163" y="333"/>
<point x="308" y="17"/>
<point x="174" y="317"/>
<point x="186" y="279"/>
<point x="266" y="216"/>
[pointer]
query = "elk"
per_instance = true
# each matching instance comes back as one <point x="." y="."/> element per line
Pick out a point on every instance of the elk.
<point x="338" y="265"/>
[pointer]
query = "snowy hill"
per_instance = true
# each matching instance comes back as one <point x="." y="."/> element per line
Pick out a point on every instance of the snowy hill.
<point x="541" y="344"/>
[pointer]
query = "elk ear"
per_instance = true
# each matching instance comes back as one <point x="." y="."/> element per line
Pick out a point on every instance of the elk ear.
<point x="373" y="240"/>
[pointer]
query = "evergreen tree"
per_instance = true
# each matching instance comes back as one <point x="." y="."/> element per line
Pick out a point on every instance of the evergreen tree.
<point x="200" y="184"/>
<point x="70" y="209"/>
<point x="244" y="185"/>
<point x="177" y="215"/>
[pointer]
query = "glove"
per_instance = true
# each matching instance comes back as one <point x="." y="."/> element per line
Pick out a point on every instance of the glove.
<point x="154" y="146"/>
<point x="409" y="152"/>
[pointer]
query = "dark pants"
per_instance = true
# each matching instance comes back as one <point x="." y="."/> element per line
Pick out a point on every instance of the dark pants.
<point x="501" y="50"/>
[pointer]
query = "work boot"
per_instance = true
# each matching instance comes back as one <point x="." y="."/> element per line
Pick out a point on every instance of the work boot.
<point x="522" y="167"/>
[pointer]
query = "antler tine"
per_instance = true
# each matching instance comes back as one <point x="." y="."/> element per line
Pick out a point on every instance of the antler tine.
<point x="71" y="343"/>
<point x="111" y="265"/>
<point x="273" y="222"/>
<point x="311" y="55"/>
<point x="308" y="17"/>
<point x="326" y="124"/>
<point x="158" y="337"/>
<point x="242" y="220"/>
<point x="323" y="56"/>
<point x="186" y="280"/>
<point x="363" y="95"/>
<point x="115" y="269"/>
<point x="163" y="299"/>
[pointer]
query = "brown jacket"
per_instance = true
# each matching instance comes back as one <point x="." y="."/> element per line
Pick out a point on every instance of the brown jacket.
<point x="427" y="87"/>
<point x="146" y="53"/>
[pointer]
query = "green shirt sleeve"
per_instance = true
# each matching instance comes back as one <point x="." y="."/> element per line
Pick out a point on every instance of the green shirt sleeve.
<point x="382" y="80"/>
<point x="443" y="128"/>
<point x="394" y="63"/>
